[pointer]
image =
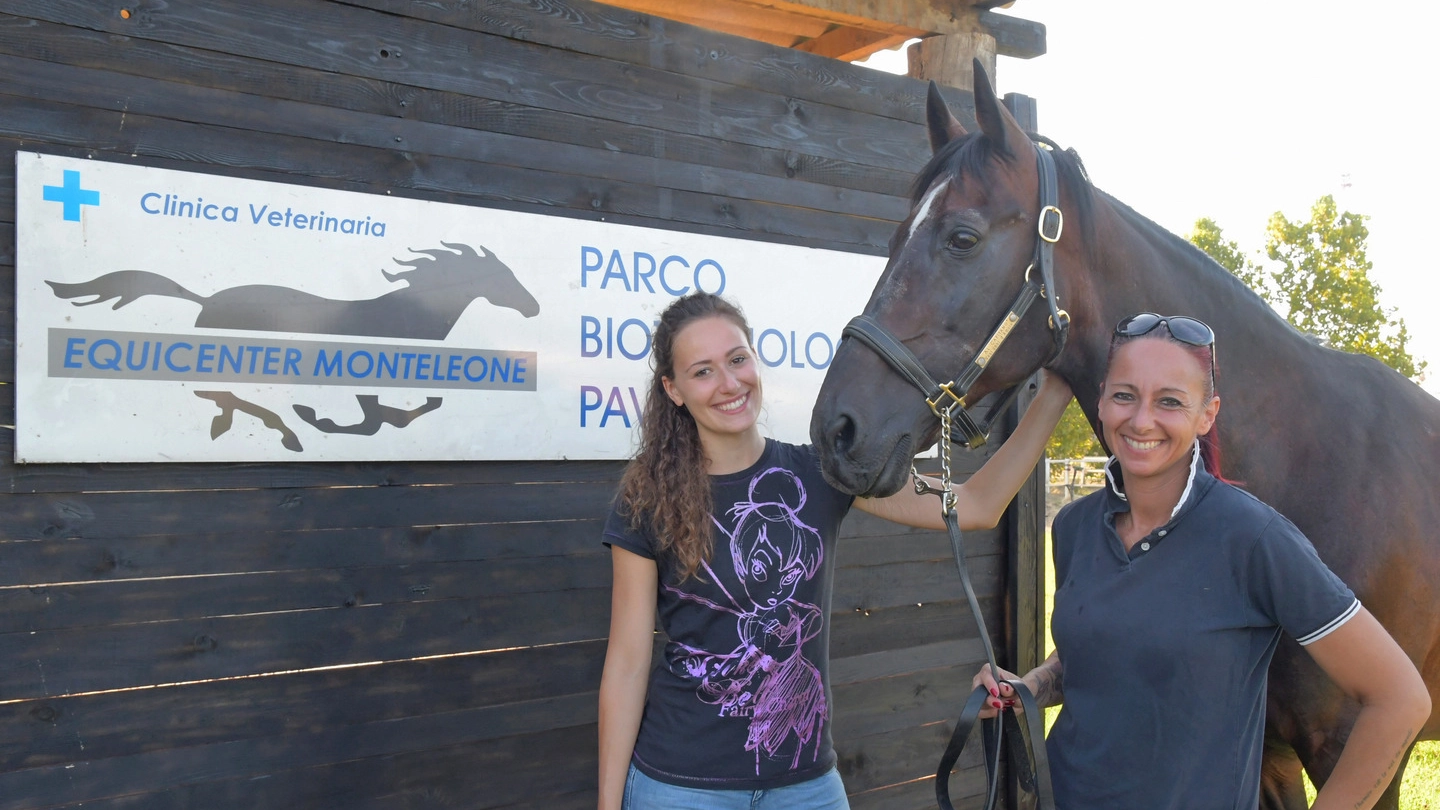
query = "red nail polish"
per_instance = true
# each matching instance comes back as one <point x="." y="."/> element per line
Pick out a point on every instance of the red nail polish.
<point x="995" y="692"/>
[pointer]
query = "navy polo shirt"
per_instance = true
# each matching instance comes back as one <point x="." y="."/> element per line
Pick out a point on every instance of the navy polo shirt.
<point x="1165" y="648"/>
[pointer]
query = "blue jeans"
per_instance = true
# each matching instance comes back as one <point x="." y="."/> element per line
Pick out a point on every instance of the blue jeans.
<point x="821" y="793"/>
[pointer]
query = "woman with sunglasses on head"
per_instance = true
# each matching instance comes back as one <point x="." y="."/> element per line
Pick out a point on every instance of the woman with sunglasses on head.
<point x="732" y="536"/>
<point x="1172" y="590"/>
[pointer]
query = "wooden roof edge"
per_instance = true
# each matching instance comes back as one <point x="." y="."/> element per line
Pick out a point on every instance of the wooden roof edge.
<point x="1014" y="36"/>
<point x="850" y="29"/>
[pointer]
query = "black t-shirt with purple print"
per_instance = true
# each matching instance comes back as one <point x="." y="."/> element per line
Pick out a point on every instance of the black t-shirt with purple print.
<point x="741" y="697"/>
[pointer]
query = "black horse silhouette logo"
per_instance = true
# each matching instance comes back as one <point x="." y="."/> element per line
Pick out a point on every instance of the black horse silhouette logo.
<point x="376" y="416"/>
<point x="438" y="289"/>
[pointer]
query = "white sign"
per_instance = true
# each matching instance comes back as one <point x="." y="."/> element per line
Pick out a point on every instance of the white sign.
<point x="179" y="316"/>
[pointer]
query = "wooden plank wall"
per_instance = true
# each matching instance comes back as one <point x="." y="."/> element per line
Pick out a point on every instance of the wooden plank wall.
<point x="421" y="634"/>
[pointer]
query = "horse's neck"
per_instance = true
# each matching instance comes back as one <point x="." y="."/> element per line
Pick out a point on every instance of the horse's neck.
<point x="1140" y="267"/>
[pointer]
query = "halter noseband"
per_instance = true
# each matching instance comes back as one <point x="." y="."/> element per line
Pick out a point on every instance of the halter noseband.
<point x="950" y="396"/>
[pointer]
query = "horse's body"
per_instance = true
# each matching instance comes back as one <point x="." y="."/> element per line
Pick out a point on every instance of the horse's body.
<point x="1342" y="445"/>
<point x="437" y="292"/>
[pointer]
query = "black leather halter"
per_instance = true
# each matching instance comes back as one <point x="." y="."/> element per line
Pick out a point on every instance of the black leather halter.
<point x="947" y="401"/>
<point x="951" y="395"/>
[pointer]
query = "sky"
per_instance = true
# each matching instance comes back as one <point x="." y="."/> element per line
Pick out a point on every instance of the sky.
<point x="1234" y="110"/>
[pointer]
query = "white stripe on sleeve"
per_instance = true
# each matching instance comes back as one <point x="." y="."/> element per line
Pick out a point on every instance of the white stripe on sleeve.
<point x="1334" y="624"/>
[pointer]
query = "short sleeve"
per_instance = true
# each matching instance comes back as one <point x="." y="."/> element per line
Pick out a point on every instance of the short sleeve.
<point x="1291" y="585"/>
<point x="618" y="532"/>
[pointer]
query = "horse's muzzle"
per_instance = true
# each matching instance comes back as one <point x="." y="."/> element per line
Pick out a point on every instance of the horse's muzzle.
<point x="868" y="471"/>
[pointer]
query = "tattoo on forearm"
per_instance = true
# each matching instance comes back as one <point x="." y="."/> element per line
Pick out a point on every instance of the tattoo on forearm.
<point x="1383" y="780"/>
<point x="1050" y="684"/>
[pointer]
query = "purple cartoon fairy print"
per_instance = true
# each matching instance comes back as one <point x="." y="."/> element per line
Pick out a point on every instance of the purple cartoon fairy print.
<point x="767" y="677"/>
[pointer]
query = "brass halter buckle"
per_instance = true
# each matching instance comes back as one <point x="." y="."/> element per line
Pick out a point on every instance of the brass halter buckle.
<point x="1059" y="223"/>
<point x="940" y="408"/>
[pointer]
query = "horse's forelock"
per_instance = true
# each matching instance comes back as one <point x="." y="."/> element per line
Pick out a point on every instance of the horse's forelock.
<point x="971" y="156"/>
<point x="964" y="155"/>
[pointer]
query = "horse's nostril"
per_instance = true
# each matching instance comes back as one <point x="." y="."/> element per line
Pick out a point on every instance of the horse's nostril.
<point x="842" y="434"/>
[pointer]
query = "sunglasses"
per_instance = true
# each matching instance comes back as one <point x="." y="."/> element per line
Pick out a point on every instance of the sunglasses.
<point x="1182" y="328"/>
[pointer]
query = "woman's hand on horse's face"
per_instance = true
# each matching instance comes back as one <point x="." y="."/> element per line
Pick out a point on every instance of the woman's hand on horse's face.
<point x="1001" y="693"/>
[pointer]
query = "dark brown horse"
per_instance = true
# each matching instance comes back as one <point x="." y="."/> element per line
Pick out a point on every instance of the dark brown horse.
<point x="1342" y="445"/>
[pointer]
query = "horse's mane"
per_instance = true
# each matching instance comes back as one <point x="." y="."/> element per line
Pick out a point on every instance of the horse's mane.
<point x="1203" y="263"/>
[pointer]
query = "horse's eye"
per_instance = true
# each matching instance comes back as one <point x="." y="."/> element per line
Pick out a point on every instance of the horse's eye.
<point x="963" y="241"/>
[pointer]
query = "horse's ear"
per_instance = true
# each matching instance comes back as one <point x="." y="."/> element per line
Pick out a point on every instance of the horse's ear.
<point x="944" y="126"/>
<point x="999" y="126"/>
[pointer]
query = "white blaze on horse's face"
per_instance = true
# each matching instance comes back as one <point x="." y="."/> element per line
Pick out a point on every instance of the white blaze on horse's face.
<point x="923" y="212"/>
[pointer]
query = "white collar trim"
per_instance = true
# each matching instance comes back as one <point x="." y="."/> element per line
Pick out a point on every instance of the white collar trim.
<point x="1184" y="496"/>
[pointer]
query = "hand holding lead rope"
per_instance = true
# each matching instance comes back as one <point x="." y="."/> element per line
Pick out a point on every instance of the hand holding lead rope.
<point x="1002" y="694"/>
<point x="1036" y="780"/>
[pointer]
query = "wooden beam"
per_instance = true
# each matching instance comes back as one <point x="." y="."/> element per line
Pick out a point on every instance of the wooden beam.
<point x="1014" y="37"/>
<point x="896" y="16"/>
<point x="787" y="22"/>
<point x="843" y="42"/>
<point x="890" y="42"/>
<point x="733" y="16"/>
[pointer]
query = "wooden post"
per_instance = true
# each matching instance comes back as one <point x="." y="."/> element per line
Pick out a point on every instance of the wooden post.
<point x="1024" y="109"/>
<point x="1025" y="637"/>
<point x="948" y="58"/>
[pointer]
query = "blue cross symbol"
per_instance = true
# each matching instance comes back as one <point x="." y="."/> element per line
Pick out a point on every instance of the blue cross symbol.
<point x="72" y="195"/>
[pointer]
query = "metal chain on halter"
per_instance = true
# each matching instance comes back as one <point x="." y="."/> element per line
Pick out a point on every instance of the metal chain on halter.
<point x="923" y="487"/>
<point x="1037" y="779"/>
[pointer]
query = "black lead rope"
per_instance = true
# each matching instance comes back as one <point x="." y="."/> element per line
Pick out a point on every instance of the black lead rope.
<point x="1034" y="780"/>
<point x="947" y="401"/>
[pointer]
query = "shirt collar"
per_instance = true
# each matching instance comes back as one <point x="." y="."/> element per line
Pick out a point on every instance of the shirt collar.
<point x="1116" y="484"/>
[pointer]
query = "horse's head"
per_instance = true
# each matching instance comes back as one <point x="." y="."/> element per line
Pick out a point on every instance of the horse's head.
<point x="956" y="265"/>
<point x="462" y="274"/>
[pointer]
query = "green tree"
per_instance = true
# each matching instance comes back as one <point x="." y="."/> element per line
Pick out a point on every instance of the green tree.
<point x="1227" y="253"/>
<point x="1072" y="437"/>
<point x="1324" y="283"/>
<point x="1319" y="280"/>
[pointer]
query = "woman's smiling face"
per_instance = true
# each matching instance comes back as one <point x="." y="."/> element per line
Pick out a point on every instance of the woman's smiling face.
<point x="715" y="377"/>
<point x="1153" y="407"/>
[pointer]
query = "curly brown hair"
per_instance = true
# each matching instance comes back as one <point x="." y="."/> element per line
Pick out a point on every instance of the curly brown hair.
<point x="666" y="487"/>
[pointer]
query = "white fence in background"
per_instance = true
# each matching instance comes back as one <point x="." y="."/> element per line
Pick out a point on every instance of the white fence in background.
<point x="1071" y="478"/>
